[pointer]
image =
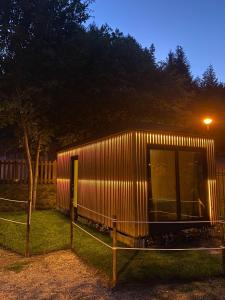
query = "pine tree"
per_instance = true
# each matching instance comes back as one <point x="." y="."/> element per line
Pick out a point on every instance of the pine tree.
<point x="177" y="65"/>
<point x="209" y="79"/>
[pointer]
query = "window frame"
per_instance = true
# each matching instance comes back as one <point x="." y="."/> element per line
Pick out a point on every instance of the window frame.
<point x="176" y="150"/>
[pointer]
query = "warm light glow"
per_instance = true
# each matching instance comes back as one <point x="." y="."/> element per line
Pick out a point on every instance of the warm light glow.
<point x="103" y="181"/>
<point x="61" y="180"/>
<point x="211" y="188"/>
<point x="207" y="121"/>
<point x="165" y="139"/>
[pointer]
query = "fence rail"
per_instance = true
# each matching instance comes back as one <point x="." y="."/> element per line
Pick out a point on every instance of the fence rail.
<point x="115" y="247"/>
<point x="16" y="171"/>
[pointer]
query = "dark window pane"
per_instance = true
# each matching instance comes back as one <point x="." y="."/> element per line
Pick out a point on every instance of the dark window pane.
<point x="163" y="184"/>
<point x="191" y="178"/>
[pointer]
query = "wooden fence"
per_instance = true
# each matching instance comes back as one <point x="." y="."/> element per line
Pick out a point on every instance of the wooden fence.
<point x="15" y="171"/>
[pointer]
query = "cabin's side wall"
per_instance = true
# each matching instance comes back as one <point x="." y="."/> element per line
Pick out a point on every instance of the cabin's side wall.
<point x="113" y="178"/>
<point x="105" y="184"/>
<point x="145" y="138"/>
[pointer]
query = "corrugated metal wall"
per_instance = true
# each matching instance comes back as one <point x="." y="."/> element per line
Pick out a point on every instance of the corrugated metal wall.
<point x="113" y="177"/>
<point x="220" y="178"/>
<point x="105" y="184"/>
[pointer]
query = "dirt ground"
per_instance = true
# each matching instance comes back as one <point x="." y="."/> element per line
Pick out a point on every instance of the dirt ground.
<point x="62" y="275"/>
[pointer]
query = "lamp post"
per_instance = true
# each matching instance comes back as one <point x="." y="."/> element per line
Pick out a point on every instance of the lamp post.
<point x="207" y="121"/>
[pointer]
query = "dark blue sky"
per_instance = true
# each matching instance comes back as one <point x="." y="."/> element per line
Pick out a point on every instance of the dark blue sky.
<point x="197" y="25"/>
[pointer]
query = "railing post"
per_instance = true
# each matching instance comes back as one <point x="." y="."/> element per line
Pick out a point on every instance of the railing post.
<point x="54" y="171"/>
<point x="29" y="208"/>
<point x="223" y="245"/>
<point x="71" y="224"/>
<point x="114" y="252"/>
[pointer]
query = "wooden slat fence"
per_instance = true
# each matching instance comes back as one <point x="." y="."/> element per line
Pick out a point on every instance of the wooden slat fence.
<point x="15" y="171"/>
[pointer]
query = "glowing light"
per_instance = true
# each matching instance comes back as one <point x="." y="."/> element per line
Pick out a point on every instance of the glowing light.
<point x="61" y="180"/>
<point x="166" y="139"/>
<point x="207" y="121"/>
<point x="211" y="188"/>
<point x="103" y="181"/>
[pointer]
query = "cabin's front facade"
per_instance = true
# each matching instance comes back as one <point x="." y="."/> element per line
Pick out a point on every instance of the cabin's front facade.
<point x="139" y="176"/>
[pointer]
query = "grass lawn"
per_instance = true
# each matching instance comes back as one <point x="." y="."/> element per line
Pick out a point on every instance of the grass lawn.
<point x="50" y="231"/>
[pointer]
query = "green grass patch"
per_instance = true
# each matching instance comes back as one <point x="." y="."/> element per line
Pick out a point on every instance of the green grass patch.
<point x="50" y="230"/>
<point x="17" y="267"/>
<point x="147" y="265"/>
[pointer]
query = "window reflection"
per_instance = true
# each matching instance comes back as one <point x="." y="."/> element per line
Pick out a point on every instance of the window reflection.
<point x="168" y="169"/>
<point x="191" y="185"/>
<point x="163" y="183"/>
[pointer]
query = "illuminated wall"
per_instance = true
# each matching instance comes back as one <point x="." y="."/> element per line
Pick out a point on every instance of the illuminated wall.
<point x="106" y="175"/>
<point x="113" y="177"/>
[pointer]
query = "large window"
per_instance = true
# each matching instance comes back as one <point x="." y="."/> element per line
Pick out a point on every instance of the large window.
<point x="177" y="185"/>
<point x="163" y="184"/>
<point x="191" y="177"/>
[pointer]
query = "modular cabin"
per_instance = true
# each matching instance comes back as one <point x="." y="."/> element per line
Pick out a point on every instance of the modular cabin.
<point x="139" y="176"/>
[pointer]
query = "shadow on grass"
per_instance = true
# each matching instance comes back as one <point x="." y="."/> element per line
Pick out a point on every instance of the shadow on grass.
<point x="126" y="265"/>
<point x="158" y="267"/>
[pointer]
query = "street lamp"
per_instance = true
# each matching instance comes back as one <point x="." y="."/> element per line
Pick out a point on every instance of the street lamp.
<point x="207" y="121"/>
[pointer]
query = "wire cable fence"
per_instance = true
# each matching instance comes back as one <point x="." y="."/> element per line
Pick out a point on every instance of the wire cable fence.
<point x="93" y="236"/>
<point x="15" y="219"/>
<point x="215" y="224"/>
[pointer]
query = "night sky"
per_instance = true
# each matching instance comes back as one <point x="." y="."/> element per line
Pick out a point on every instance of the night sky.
<point x="196" y="25"/>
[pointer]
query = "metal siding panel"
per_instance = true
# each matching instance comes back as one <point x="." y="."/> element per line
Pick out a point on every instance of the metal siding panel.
<point x="109" y="182"/>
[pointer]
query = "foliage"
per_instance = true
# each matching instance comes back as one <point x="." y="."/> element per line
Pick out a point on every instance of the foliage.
<point x="46" y="196"/>
<point x="209" y="79"/>
<point x="75" y="82"/>
<point x="32" y="37"/>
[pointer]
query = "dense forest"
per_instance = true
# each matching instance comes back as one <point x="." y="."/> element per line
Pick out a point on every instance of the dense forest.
<point x="62" y="82"/>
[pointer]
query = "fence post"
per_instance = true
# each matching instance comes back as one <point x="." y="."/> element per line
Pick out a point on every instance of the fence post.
<point x="71" y="223"/>
<point x="114" y="252"/>
<point x="29" y="208"/>
<point x="54" y="171"/>
<point x="223" y="245"/>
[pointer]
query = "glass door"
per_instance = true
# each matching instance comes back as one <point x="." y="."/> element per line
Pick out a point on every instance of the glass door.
<point x="191" y="178"/>
<point x="163" y="185"/>
<point x="177" y="184"/>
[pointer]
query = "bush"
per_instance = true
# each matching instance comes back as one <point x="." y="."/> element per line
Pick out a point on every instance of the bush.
<point x="46" y="196"/>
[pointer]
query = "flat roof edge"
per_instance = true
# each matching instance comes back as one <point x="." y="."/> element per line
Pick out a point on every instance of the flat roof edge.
<point x="100" y="139"/>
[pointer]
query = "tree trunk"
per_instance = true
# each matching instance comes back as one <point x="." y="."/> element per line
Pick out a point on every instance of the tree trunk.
<point x="36" y="173"/>
<point x="29" y="164"/>
<point x="30" y="186"/>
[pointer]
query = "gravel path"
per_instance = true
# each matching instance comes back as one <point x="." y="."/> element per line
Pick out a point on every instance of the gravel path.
<point x="62" y="275"/>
